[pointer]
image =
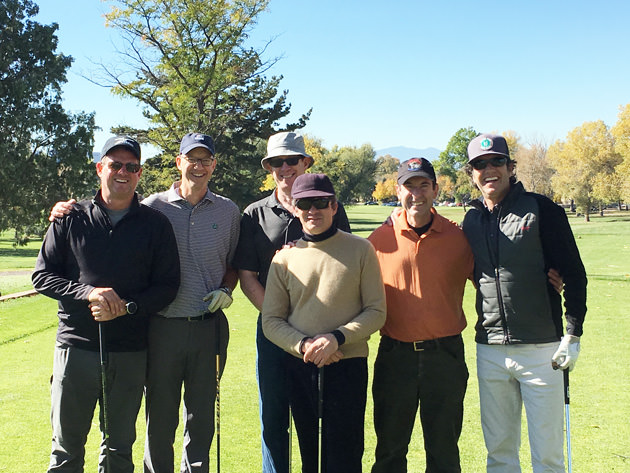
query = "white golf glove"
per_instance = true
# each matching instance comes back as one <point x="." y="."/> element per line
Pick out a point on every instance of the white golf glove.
<point x="218" y="299"/>
<point x="566" y="355"/>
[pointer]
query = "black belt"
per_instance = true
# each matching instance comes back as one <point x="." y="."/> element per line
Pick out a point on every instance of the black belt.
<point x="198" y="318"/>
<point x="422" y="345"/>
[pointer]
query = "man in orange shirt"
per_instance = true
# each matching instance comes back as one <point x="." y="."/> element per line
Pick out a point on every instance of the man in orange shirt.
<point x="425" y="261"/>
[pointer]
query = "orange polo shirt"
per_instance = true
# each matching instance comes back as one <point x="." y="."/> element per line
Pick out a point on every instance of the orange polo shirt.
<point x="424" y="278"/>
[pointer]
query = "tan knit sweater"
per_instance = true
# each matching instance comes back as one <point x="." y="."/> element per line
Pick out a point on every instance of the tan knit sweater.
<point x="318" y="287"/>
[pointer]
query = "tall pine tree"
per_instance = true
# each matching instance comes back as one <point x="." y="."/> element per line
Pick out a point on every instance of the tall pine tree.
<point x="46" y="153"/>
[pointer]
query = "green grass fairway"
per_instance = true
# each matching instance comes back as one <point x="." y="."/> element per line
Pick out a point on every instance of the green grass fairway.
<point x="16" y="264"/>
<point x="600" y="385"/>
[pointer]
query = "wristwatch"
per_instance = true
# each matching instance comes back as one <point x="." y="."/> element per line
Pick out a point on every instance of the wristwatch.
<point x="131" y="307"/>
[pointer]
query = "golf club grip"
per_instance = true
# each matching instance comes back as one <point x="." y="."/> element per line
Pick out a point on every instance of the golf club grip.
<point x="320" y="392"/>
<point x="567" y="397"/>
<point x="103" y="358"/>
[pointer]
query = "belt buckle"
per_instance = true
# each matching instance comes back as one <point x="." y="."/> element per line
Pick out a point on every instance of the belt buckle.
<point x="417" y="346"/>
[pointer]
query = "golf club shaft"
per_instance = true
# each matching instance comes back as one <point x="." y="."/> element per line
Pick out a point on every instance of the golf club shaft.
<point x="290" y="440"/>
<point x="218" y="401"/>
<point x="320" y="417"/>
<point x="567" y="415"/>
<point x="103" y="359"/>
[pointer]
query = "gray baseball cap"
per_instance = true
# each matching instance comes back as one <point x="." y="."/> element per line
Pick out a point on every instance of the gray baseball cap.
<point x="285" y="143"/>
<point x="487" y="143"/>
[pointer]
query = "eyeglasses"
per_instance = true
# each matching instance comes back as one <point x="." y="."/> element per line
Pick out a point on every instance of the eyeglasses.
<point x="318" y="202"/>
<point x="203" y="161"/>
<point x="116" y="166"/>
<point x="496" y="162"/>
<point x="278" y="162"/>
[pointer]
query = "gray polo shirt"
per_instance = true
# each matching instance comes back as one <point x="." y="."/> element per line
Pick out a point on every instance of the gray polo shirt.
<point x="207" y="235"/>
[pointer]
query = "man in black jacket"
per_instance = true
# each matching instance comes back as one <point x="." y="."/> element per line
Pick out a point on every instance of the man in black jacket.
<point x="111" y="262"/>
<point x="266" y="226"/>
<point x="516" y="237"/>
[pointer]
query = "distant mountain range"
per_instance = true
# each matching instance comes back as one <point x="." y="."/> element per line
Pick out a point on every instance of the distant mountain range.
<point x="402" y="152"/>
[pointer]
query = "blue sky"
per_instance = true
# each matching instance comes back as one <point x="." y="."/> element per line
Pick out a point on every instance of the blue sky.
<point x="406" y="73"/>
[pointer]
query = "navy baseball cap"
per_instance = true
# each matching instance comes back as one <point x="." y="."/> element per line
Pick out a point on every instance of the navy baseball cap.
<point x="487" y="143"/>
<point x="415" y="167"/>
<point x="196" y="140"/>
<point x="124" y="141"/>
<point x="312" y="185"/>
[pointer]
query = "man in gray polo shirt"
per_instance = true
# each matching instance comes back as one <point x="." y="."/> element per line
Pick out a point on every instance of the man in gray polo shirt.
<point x="182" y="340"/>
<point x="183" y="337"/>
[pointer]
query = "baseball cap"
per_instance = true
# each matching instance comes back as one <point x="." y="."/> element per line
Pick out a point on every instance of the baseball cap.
<point x="487" y="143"/>
<point x="124" y="141"/>
<point x="312" y="185"/>
<point x="196" y="140"/>
<point x="415" y="167"/>
<point x="285" y="143"/>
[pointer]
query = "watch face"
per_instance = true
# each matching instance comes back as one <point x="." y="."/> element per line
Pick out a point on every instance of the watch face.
<point x="132" y="307"/>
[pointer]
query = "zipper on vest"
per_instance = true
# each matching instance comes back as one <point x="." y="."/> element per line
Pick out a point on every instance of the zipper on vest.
<point x="497" y="280"/>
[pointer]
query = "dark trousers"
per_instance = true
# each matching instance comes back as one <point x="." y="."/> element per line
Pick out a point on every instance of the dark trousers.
<point x="435" y="378"/>
<point x="344" y="399"/>
<point x="75" y="390"/>
<point x="273" y="402"/>
<point x="182" y="353"/>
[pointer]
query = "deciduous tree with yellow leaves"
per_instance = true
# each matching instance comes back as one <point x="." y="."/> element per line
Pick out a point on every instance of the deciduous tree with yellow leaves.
<point x="582" y="162"/>
<point x="621" y="133"/>
<point x="385" y="190"/>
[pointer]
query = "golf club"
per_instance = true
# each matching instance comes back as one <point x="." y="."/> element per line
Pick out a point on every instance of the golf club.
<point x="290" y="440"/>
<point x="218" y="401"/>
<point x="320" y="416"/>
<point x="567" y="400"/>
<point x="103" y="358"/>
<point x="567" y="414"/>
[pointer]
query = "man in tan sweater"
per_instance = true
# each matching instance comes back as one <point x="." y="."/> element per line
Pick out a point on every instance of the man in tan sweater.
<point x="323" y="300"/>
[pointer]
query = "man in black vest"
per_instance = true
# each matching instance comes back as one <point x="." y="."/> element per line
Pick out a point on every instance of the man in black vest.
<point x="516" y="237"/>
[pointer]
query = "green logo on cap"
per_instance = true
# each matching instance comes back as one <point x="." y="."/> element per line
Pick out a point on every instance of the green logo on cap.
<point x="486" y="144"/>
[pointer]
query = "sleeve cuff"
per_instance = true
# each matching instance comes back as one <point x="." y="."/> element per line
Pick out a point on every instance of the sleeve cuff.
<point x="341" y="338"/>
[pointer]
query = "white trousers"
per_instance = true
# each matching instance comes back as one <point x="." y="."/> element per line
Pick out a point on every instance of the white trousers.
<point x="511" y="376"/>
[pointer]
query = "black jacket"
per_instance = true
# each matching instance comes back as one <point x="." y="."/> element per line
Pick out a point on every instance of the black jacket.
<point x="138" y="258"/>
<point x="514" y="247"/>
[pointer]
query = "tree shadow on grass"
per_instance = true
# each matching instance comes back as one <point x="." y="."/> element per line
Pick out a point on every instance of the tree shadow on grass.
<point x="19" y="252"/>
<point x="364" y="225"/>
<point x="607" y="277"/>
